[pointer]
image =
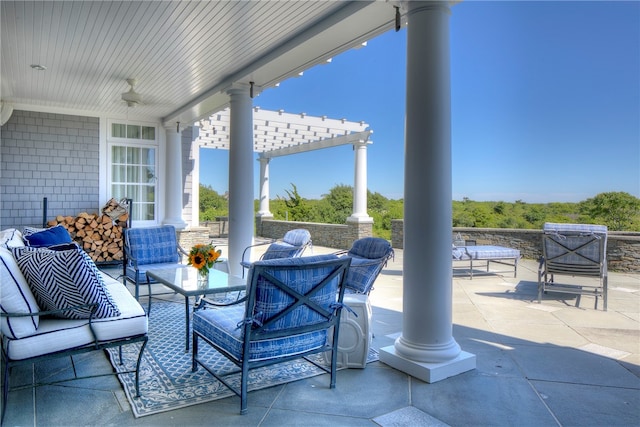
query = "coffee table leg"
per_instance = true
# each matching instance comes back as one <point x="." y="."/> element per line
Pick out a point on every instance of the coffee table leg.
<point x="186" y="318"/>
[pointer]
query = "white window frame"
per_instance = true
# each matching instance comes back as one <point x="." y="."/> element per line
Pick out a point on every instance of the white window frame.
<point x="113" y="141"/>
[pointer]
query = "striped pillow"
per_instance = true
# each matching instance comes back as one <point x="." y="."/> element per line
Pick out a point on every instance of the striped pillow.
<point x="16" y="298"/>
<point x="62" y="279"/>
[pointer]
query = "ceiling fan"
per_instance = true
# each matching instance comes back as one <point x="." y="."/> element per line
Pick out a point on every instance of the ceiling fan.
<point x="131" y="97"/>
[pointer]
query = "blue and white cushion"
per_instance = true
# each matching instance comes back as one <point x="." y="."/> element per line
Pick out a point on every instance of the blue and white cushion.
<point x="280" y="250"/>
<point x="16" y="297"/>
<point x="297" y="237"/>
<point x="153" y="245"/>
<point x="63" y="279"/>
<point x="368" y="255"/>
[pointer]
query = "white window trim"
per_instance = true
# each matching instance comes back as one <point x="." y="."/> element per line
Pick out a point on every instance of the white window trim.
<point x="107" y="142"/>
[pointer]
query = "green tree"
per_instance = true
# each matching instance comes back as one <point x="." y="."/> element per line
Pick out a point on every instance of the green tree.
<point x="338" y="204"/>
<point x="298" y="208"/>
<point x="617" y="210"/>
<point x="212" y="204"/>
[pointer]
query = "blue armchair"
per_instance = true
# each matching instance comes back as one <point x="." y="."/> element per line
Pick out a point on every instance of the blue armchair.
<point x="147" y="248"/>
<point x="368" y="256"/>
<point x="293" y="244"/>
<point x="290" y="308"/>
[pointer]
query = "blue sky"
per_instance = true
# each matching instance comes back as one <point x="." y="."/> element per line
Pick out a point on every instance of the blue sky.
<point x="545" y="106"/>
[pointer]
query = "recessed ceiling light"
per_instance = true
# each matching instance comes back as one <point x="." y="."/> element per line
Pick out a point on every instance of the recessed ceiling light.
<point x="38" y="67"/>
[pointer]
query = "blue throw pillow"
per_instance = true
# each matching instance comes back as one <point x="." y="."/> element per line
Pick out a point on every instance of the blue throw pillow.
<point x="48" y="237"/>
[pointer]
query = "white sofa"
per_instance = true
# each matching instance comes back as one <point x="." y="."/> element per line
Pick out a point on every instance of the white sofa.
<point x="31" y="333"/>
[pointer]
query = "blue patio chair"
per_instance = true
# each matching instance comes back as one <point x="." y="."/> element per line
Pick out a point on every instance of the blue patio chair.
<point x="369" y="256"/>
<point x="290" y="308"/>
<point x="147" y="248"/>
<point x="574" y="250"/>
<point x="292" y="245"/>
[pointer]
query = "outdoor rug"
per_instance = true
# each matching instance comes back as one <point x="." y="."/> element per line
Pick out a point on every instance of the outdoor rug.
<point x="166" y="380"/>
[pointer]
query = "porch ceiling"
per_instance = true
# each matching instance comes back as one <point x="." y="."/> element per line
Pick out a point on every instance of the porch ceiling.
<point x="184" y="54"/>
<point x="276" y="133"/>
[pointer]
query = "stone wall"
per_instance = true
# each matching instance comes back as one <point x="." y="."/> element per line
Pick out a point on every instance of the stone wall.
<point x="192" y="236"/>
<point x="338" y="236"/>
<point x="623" y="248"/>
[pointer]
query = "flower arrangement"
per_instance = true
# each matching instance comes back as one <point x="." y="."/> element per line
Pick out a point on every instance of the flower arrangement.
<point x="202" y="257"/>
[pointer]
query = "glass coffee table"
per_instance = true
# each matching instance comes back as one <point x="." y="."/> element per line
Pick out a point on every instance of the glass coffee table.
<point x="184" y="280"/>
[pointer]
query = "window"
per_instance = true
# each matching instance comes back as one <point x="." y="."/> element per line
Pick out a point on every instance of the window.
<point x="133" y="165"/>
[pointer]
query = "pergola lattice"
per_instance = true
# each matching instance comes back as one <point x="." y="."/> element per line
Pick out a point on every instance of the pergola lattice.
<point x="276" y="133"/>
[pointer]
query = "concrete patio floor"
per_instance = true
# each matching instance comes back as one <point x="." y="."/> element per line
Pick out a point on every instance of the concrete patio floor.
<point x="548" y="364"/>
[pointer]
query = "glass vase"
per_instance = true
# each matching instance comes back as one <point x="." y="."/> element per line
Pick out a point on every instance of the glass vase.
<point x="203" y="279"/>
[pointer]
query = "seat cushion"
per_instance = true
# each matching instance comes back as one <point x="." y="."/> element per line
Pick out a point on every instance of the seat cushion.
<point x="270" y="300"/>
<point x="297" y="237"/>
<point x="62" y="334"/>
<point x="62" y="279"/>
<point x="362" y="273"/>
<point x="220" y="326"/>
<point x="132" y="319"/>
<point x="280" y="250"/>
<point x="486" y="252"/>
<point x="370" y="247"/>
<point x="16" y="297"/>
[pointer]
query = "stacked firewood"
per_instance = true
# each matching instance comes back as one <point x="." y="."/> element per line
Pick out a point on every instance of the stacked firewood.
<point x="101" y="236"/>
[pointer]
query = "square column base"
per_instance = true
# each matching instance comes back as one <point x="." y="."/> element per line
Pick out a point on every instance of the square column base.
<point x="428" y="372"/>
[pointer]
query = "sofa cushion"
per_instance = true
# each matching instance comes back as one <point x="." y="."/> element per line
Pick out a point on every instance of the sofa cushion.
<point x="11" y="238"/>
<point x="62" y="279"/>
<point x="61" y="334"/>
<point x="221" y="326"/>
<point x="16" y="297"/>
<point x="48" y="237"/>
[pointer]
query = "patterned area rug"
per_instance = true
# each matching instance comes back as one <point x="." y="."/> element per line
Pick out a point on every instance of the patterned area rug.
<point x="166" y="380"/>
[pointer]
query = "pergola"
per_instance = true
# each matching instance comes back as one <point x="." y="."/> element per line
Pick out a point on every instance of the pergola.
<point x="276" y="134"/>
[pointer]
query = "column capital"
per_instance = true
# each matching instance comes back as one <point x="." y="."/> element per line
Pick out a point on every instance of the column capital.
<point x="239" y="88"/>
<point x="173" y="127"/>
<point x="411" y="6"/>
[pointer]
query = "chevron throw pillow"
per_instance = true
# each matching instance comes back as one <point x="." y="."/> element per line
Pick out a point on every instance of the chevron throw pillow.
<point x="63" y="279"/>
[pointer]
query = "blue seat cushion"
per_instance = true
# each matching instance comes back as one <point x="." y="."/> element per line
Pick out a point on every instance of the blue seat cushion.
<point x="362" y="273"/>
<point x="297" y="237"/>
<point x="370" y="247"/>
<point x="270" y="300"/>
<point x="280" y="250"/>
<point x="220" y="326"/>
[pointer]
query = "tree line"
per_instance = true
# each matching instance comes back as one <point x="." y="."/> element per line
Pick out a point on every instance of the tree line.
<point x="619" y="211"/>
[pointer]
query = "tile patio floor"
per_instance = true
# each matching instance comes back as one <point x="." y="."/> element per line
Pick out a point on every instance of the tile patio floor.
<point x="537" y="365"/>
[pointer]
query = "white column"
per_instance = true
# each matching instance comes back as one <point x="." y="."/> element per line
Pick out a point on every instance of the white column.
<point x="174" y="190"/>
<point x="426" y="349"/>
<point x="360" y="185"/>
<point x="264" y="188"/>
<point x="241" y="219"/>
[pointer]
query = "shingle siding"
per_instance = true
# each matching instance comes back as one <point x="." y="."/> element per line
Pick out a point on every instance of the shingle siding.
<point x="47" y="155"/>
